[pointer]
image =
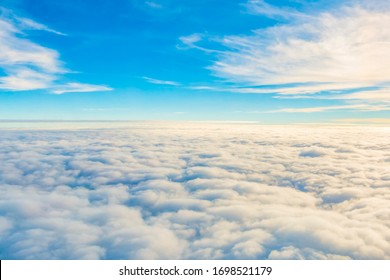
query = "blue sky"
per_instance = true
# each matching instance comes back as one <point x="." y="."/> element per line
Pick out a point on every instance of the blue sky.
<point x="269" y="61"/>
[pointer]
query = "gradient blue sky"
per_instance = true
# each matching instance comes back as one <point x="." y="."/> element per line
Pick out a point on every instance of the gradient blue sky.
<point x="269" y="61"/>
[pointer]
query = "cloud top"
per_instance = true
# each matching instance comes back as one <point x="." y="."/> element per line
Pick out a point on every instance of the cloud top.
<point x="195" y="191"/>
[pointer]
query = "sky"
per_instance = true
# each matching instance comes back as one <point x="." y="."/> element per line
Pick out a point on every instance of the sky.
<point x="291" y="61"/>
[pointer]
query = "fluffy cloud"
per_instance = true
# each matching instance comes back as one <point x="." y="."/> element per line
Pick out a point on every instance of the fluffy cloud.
<point x="195" y="191"/>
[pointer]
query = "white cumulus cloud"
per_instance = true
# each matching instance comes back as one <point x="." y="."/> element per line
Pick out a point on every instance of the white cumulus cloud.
<point x="195" y="191"/>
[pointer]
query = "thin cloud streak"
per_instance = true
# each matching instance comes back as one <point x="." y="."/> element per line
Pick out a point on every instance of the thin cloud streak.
<point x="362" y="107"/>
<point x="153" y="5"/>
<point x="160" y="82"/>
<point x="30" y="24"/>
<point x="261" y="7"/>
<point x="26" y="23"/>
<point x="190" y="42"/>
<point x="286" y="91"/>
<point x="78" y="87"/>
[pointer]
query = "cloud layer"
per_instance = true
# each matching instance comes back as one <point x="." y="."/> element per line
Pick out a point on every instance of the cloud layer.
<point x="195" y="191"/>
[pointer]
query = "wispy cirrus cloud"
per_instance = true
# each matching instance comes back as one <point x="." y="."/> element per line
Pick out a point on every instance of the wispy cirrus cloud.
<point x="21" y="78"/>
<point x="26" y="23"/>
<point x="300" y="90"/>
<point x="31" y="66"/>
<point x="160" y="82"/>
<point x="334" y="51"/>
<point x="79" y="87"/>
<point x="30" y="24"/>
<point x="360" y="107"/>
<point x="329" y="49"/>
<point x="191" y="39"/>
<point x="263" y="8"/>
<point x="379" y="95"/>
<point x="153" y="5"/>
